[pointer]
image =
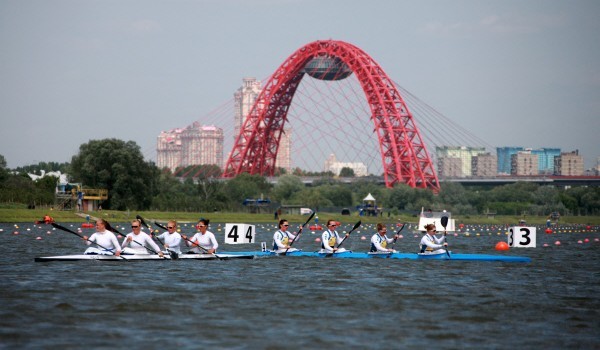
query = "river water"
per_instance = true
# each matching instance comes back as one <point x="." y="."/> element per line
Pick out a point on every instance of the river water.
<point x="293" y="303"/>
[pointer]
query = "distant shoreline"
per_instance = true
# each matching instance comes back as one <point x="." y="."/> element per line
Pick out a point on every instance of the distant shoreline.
<point x="8" y="215"/>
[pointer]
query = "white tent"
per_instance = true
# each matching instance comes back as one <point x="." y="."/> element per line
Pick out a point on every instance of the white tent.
<point x="369" y="197"/>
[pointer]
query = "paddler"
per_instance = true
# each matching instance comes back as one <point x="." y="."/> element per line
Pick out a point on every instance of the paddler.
<point x="203" y="238"/>
<point x="171" y="239"/>
<point x="103" y="238"/>
<point x="138" y="240"/>
<point x="432" y="244"/>
<point x="379" y="241"/>
<point x="282" y="238"/>
<point x="330" y="239"/>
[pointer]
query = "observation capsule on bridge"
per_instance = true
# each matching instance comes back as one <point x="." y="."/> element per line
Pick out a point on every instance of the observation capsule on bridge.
<point x="327" y="68"/>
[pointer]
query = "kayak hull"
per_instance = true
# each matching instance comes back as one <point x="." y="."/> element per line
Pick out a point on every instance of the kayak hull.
<point x="142" y="257"/>
<point x="411" y="256"/>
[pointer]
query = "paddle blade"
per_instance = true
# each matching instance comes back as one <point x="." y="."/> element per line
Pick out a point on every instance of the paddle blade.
<point x="142" y="220"/>
<point x="356" y="225"/>
<point x="444" y="221"/>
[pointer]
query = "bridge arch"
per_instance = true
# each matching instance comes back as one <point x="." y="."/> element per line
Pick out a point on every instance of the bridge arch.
<point x="404" y="156"/>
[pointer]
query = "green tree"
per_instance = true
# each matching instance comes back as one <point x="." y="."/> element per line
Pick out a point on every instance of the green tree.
<point x="286" y="187"/>
<point x="3" y="171"/>
<point x="347" y="172"/>
<point x="246" y="186"/>
<point x="119" y="167"/>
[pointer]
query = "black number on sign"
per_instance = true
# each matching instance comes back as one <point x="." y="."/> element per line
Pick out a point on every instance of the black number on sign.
<point x="233" y="233"/>
<point x="526" y="236"/>
<point x="510" y="238"/>
<point x="249" y="234"/>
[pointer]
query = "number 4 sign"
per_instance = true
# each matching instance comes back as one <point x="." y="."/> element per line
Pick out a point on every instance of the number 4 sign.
<point x="522" y="237"/>
<point x="239" y="233"/>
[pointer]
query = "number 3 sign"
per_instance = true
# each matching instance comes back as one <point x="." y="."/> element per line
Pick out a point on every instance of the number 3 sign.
<point x="239" y="233"/>
<point x="522" y="237"/>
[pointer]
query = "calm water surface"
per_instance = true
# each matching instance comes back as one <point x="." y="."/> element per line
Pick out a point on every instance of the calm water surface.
<point x="276" y="303"/>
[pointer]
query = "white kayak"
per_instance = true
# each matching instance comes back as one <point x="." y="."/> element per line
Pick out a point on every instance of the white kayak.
<point x="138" y="257"/>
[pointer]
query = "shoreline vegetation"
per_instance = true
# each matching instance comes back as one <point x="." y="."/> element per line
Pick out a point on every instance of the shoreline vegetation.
<point x="15" y="215"/>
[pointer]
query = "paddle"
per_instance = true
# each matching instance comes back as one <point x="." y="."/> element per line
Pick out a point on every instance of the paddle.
<point x="193" y="243"/>
<point x="114" y="230"/>
<point x="444" y="222"/>
<point x="299" y="231"/>
<point x="80" y="236"/>
<point x="174" y="255"/>
<point x="353" y="228"/>
<point x="395" y="239"/>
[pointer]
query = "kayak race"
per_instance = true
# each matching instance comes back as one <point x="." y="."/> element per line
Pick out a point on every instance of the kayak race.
<point x="300" y="174"/>
<point x="140" y="246"/>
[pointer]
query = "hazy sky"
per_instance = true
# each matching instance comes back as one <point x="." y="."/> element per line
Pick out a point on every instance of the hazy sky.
<point x="515" y="73"/>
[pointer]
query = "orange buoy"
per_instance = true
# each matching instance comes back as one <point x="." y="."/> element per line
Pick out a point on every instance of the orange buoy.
<point x="548" y="230"/>
<point x="502" y="246"/>
<point x="315" y="227"/>
<point x="362" y="238"/>
<point x="317" y="239"/>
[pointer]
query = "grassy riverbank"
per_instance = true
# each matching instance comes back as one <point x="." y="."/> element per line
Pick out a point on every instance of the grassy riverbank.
<point x="13" y="215"/>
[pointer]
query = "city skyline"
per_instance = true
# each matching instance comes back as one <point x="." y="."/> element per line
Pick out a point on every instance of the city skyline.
<point x="511" y="72"/>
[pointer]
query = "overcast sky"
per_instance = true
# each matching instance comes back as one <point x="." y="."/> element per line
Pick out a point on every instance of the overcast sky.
<point x="515" y="73"/>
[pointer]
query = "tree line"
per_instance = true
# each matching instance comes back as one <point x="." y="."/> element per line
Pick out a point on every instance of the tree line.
<point x="136" y="184"/>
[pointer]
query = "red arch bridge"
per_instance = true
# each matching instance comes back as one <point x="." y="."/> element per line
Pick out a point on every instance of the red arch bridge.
<point x="403" y="153"/>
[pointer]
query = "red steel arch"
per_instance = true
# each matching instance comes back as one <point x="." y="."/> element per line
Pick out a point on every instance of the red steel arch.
<point x="405" y="158"/>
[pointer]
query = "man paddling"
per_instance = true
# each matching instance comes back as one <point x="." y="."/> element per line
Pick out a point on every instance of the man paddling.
<point x="103" y="238"/>
<point x="138" y="241"/>
<point x="282" y="238"/>
<point x="432" y="244"/>
<point x="330" y="239"/>
<point x="379" y="241"/>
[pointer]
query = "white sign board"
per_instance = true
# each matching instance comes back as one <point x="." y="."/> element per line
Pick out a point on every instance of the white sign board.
<point x="522" y="237"/>
<point x="239" y="233"/>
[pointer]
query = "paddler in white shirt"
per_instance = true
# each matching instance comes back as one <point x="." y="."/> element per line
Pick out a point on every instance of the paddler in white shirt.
<point x="138" y="240"/>
<point x="204" y="238"/>
<point x="107" y="241"/>
<point x="330" y="239"/>
<point x="282" y="238"/>
<point x="432" y="244"/>
<point x="171" y="239"/>
<point x="379" y="241"/>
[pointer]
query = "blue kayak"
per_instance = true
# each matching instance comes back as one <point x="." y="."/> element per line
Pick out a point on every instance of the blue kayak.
<point x="411" y="256"/>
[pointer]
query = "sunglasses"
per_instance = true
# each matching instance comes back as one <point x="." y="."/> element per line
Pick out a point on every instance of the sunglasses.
<point x="286" y="225"/>
<point x="334" y="225"/>
<point x="170" y="227"/>
<point x="134" y="226"/>
<point x="201" y="226"/>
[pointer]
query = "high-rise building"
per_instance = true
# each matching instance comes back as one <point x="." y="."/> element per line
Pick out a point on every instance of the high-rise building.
<point x="244" y="99"/>
<point x="465" y="154"/>
<point x="484" y="165"/>
<point x="331" y="164"/>
<point x="193" y="145"/>
<point x="546" y="159"/>
<point x="524" y="163"/>
<point x="168" y="149"/>
<point x="568" y="164"/>
<point x="449" y="167"/>
<point x="504" y="155"/>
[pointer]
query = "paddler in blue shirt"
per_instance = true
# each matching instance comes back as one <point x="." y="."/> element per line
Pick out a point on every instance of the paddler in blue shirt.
<point x="282" y="238"/>
<point x="379" y="241"/>
<point x="432" y="244"/>
<point x="330" y="239"/>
